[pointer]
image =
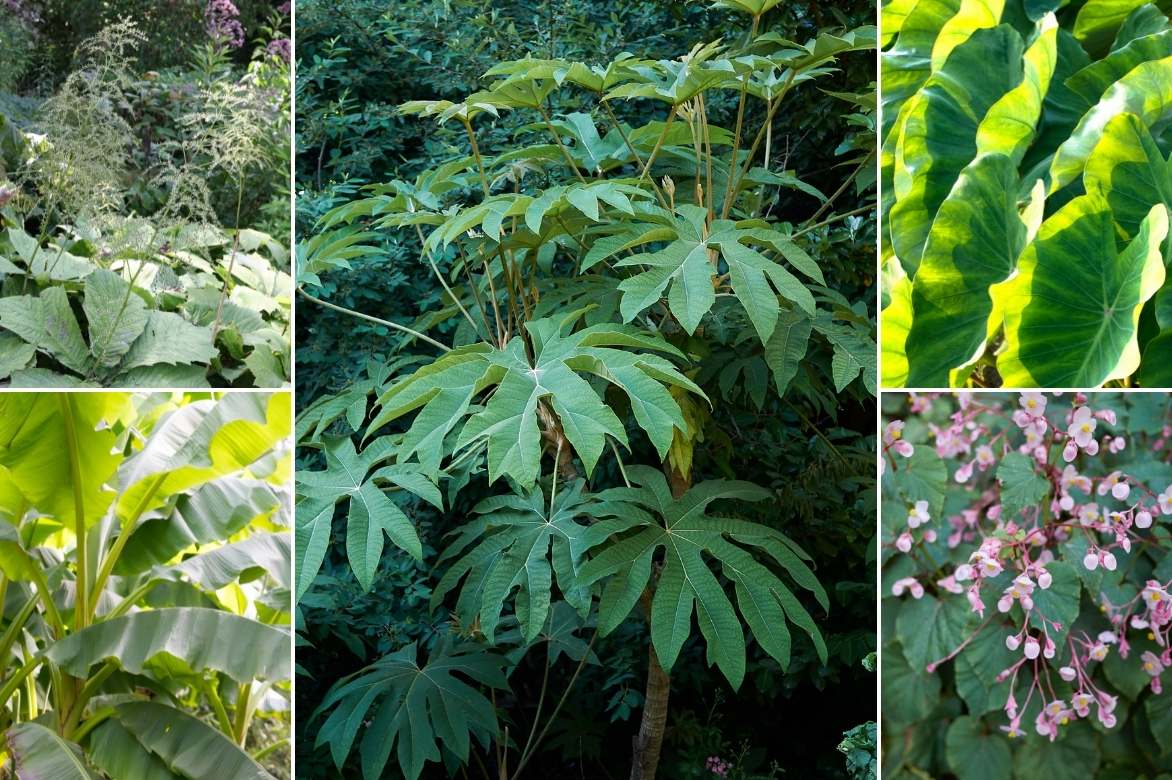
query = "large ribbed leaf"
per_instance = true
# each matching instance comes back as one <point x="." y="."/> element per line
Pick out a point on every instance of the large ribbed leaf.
<point x="371" y="514"/>
<point x="115" y="315"/>
<point x="35" y="446"/>
<point x="1073" y="324"/>
<point x="39" y="754"/>
<point x="530" y="393"/>
<point x="692" y="541"/>
<point x="185" y="744"/>
<point x="114" y="750"/>
<point x="1126" y="168"/>
<point x="417" y="706"/>
<point x="241" y="648"/>
<point x="48" y="323"/>
<point x="200" y="442"/>
<point x="258" y="555"/>
<point x="521" y="542"/>
<point x="210" y="513"/>
<point x="975" y="241"/>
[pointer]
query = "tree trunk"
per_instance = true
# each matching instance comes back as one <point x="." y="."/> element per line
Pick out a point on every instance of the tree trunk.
<point x="649" y="741"/>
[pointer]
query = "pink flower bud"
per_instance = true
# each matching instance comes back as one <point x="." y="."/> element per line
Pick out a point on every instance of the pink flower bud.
<point x="904" y="542"/>
<point x="1143" y="519"/>
<point x="1067" y="673"/>
<point x="1032" y="648"/>
<point x="1013" y="641"/>
<point x="1090" y="561"/>
<point x="1044" y="579"/>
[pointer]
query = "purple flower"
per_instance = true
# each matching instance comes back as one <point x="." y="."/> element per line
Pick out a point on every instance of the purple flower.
<point x="283" y="8"/>
<point x="281" y="47"/>
<point x="222" y="20"/>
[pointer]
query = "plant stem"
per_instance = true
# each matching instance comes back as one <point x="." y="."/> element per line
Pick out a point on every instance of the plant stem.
<point x="658" y="144"/>
<point x="736" y="147"/>
<point x="268" y="750"/>
<point x="639" y="160"/>
<point x="832" y="220"/>
<point x="243" y="713"/>
<point x="17" y="679"/>
<point x="843" y="186"/>
<point x="387" y="323"/>
<point x="81" y="600"/>
<point x="565" y="152"/>
<point x="649" y="742"/>
<point x="91" y="723"/>
<point x="123" y="537"/>
<point x="443" y="282"/>
<point x="231" y="260"/>
<point x="218" y="708"/>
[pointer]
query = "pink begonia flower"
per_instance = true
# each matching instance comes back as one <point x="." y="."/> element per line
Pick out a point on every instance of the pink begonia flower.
<point x="910" y="584"/>
<point x="1019" y="590"/>
<point x="918" y="514"/>
<point x="1165" y="501"/>
<point x="1012" y="642"/>
<point x="1154" y="595"/>
<point x="1072" y="479"/>
<point x="893" y="438"/>
<point x="1012" y="731"/>
<point x="950" y="584"/>
<point x="1088" y="514"/>
<point x="1069" y="451"/>
<point x="1108" y="560"/>
<point x="1143" y="519"/>
<point x="1091" y="560"/>
<point x="1082" y="427"/>
<point x="1049" y="648"/>
<point x="1032" y="404"/>
<point x="974" y="596"/>
<point x="1107" y="415"/>
<point x="1032" y="648"/>
<point x="985" y="457"/>
<point x="964" y="473"/>
<point x="964" y="572"/>
<point x="1098" y="651"/>
<point x="1152" y="664"/>
<point x="1082" y="703"/>
<point x="1116" y="444"/>
<point x="930" y="535"/>
<point x="904" y="542"/>
<point x="1045" y="579"/>
<point x="1067" y="673"/>
<point x="1045" y="726"/>
<point x="1106" y="718"/>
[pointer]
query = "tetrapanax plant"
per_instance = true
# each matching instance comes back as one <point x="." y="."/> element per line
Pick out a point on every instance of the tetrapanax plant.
<point x="584" y="273"/>
<point x="1023" y="536"/>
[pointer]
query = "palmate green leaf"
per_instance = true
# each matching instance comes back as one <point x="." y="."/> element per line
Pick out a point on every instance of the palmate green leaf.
<point x="974" y="243"/>
<point x="185" y="744"/>
<point x="552" y="385"/>
<point x="677" y="81"/>
<point x="1021" y="485"/>
<point x="519" y="541"/>
<point x="417" y="708"/>
<point x="241" y="648"/>
<point x="371" y="514"/>
<point x="686" y="268"/>
<point x="39" y="754"/>
<point x="977" y="753"/>
<point x="690" y="538"/>
<point x="1095" y="304"/>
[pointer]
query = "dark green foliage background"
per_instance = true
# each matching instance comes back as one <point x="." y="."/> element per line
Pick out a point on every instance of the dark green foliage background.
<point x="358" y="60"/>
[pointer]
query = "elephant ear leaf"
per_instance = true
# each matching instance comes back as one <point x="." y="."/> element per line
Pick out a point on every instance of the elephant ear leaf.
<point x="749" y="556"/>
<point x="1053" y="303"/>
<point x="417" y="707"/>
<point x="523" y="542"/>
<point x="39" y="754"/>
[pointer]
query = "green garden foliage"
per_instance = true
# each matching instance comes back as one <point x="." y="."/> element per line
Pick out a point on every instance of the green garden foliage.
<point x="584" y="333"/>
<point x="143" y="215"/>
<point x="1017" y="137"/>
<point x="145" y="552"/>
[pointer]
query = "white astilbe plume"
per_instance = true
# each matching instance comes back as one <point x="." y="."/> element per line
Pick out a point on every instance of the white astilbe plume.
<point x="81" y="168"/>
<point x="236" y="124"/>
